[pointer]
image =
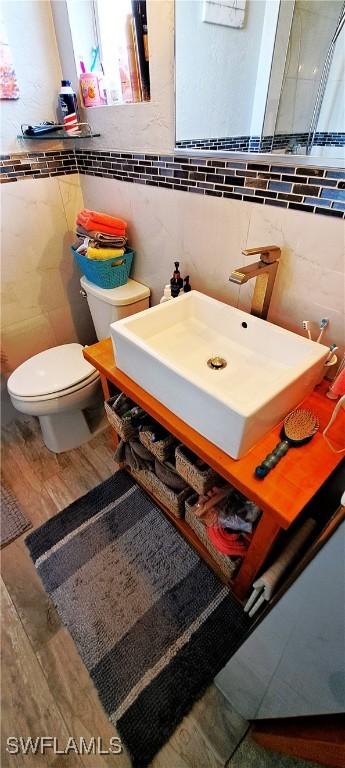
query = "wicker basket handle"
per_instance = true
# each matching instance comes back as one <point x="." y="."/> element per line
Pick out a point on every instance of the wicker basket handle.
<point x="118" y="263"/>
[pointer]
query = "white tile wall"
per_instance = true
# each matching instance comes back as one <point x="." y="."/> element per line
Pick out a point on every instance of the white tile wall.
<point x="312" y="28"/>
<point x="31" y="36"/>
<point x="41" y="304"/>
<point x="207" y="234"/>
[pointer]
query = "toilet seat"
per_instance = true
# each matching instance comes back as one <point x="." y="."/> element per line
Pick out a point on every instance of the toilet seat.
<point x="61" y="393"/>
<point x="53" y="373"/>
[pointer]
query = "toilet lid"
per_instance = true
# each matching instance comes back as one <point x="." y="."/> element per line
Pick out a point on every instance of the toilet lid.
<point x="50" y="371"/>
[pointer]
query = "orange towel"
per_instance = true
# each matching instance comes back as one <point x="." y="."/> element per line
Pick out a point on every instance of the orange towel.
<point x="103" y="218"/>
<point x="90" y="225"/>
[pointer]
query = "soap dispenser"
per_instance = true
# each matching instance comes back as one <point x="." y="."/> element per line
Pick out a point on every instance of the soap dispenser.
<point x="187" y="286"/>
<point x="166" y="294"/>
<point x="176" y="281"/>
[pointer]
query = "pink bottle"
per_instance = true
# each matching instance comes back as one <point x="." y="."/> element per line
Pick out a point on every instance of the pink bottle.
<point x="92" y="94"/>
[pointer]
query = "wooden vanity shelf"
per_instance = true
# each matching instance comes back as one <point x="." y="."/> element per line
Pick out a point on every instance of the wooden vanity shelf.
<point x="281" y="496"/>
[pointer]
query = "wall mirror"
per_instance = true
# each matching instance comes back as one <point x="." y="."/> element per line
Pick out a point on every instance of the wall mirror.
<point x="264" y="76"/>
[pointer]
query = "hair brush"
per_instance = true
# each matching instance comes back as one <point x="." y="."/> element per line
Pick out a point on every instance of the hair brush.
<point x="299" y="427"/>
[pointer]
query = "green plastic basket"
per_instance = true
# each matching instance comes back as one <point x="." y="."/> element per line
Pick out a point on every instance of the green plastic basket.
<point x="106" y="273"/>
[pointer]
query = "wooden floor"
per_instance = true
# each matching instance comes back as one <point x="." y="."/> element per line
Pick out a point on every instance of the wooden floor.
<point x="46" y="689"/>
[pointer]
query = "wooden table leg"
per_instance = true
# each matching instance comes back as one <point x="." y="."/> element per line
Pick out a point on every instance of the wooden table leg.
<point x="107" y="395"/>
<point x="264" y="537"/>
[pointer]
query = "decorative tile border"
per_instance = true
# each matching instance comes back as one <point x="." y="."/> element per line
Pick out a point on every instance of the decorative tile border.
<point x="226" y="143"/>
<point x="263" y="143"/>
<point x="312" y="190"/>
<point x="37" y="165"/>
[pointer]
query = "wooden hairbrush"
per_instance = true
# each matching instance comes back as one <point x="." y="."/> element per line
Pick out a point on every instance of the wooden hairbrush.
<point x="299" y="427"/>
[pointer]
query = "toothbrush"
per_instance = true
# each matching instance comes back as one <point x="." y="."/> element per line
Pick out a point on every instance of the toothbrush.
<point x="306" y="326"/>
<point x="323" y="324"/>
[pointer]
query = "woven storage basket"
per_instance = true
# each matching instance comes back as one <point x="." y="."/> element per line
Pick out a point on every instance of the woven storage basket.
<point x="106" y="273"/>
<point x="124" y="429"/>
<point x="162" y="449"/>
<point x="226" y="564"/>
<point x="173" y="501"/>
<point x="200" y="479"/>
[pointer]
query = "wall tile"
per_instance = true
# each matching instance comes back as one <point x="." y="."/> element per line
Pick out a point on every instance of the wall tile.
<point x="40" y="282"/>
<point x="24" y="339"/>
<point x="207" y="236"/>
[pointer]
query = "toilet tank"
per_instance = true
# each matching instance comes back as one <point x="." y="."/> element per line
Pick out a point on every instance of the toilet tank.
<point x="110" y="304"/>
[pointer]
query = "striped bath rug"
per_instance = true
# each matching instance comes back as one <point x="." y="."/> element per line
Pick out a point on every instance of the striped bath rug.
<point x="13" y="521"/>
<point x="151" y="621"/>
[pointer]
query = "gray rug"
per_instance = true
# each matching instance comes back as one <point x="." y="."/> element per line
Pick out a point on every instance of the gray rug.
<point x="13" y="520"/>
<point x="151" y="622"/>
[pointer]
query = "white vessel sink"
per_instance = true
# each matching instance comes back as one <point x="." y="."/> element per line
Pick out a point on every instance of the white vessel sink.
<point x="269" y="370"/>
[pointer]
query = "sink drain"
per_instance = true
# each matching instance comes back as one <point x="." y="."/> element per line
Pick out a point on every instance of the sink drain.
<point x="216" y="363"/>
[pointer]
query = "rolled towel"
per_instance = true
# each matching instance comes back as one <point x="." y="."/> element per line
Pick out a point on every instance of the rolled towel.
<point x="269" y="580"/>
<point x="101" y="254"/>
<point x="144" y="457"/>
<point x="167" y="474"/>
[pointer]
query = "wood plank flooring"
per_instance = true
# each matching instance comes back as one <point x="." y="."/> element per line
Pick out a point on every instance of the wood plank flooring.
<point x="46" y="689"/>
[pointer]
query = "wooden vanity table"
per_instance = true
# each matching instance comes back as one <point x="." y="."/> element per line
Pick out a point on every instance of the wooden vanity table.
<point x="281" y="496"/>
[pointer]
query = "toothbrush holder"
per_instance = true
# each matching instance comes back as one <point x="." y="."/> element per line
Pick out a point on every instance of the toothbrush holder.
<point x="327" y="368"/>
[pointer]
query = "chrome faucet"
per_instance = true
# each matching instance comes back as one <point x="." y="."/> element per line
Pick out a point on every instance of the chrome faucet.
<point x="265" y="271"/>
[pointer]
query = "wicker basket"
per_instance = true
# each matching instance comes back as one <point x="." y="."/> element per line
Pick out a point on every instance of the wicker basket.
<point x="201" y="478"/>
<point x="106" y="273"/>
<point x="173" y="501"/>
<point x="162" y="449"/>
<point x="124" y="429"/>
<point x="226" y="564"/>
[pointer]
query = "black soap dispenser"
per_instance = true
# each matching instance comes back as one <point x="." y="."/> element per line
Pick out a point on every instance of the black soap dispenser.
<point x="187" y="286"/>
<point x="176" y="281"/>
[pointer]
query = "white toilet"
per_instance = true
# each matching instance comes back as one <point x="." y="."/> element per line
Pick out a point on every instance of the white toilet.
<point x="58" y="385"/>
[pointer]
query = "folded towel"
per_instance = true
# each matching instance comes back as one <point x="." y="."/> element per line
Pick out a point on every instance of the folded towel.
<point x="91" y="220"/>
<point x="101" y="254"/>
<point x="91" y="224"/>
<point x="103" y="218"/>
<point x="101" y="238"/>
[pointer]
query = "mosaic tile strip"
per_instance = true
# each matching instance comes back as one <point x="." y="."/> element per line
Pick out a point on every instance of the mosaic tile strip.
<point x="34" y="165"/>
<point x="264" y="143"/>
<point x="313" y="190"/>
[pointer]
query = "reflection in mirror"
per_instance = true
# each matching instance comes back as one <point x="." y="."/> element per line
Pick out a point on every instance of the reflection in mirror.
<point x="261" y="76"/>
<point x="110" y="45"/>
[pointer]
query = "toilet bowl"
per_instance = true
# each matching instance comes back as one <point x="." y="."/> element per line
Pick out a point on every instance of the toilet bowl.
<point x="59" y="385"/>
